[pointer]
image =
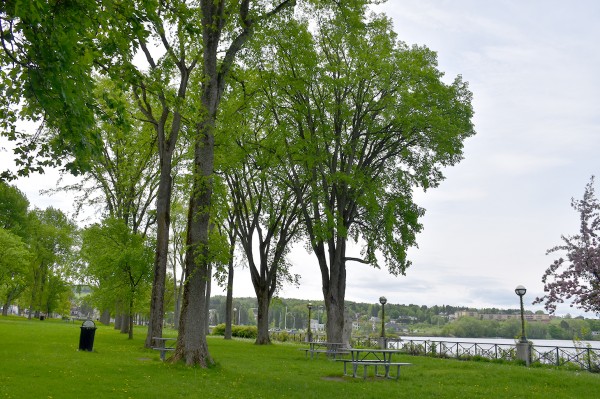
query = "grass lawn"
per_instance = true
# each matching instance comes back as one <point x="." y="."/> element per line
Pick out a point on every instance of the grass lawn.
<point x="39" y="359"/>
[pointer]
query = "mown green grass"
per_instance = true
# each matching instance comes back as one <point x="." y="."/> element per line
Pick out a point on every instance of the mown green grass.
<point x="39" y="359"/>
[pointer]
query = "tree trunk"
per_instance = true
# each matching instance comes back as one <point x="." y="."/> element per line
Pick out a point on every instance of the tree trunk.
<point x="105" y="317"/>
<point x="7" y="302"/>
<point x="125" y="323"/>
<point x="334" y="288"/>
<point x="130" y="318"/>
<point x="163" y="220"/>
<point x="178" y="296"/>
<point x="263" y="297"/>
<point x="229" y="299"/>
<point x="207" y="300"/>
<point x="191" y="343"/>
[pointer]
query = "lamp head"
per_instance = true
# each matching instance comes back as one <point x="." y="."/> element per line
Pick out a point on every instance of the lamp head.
<point x="520" y="290"/>
<point x="382" y="300"/>
<point x="309" y="306"/>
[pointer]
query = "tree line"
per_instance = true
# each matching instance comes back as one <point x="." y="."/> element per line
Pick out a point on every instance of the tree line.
<point x="35" y="256"/>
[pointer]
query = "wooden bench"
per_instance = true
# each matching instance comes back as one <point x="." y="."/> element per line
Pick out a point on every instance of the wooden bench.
<point x="164" y="345"/>
<point x="376" y="363"/>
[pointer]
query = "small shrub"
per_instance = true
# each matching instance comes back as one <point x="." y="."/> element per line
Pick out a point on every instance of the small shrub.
<point x="244" y="331"/>
<point x="236" y="331"/>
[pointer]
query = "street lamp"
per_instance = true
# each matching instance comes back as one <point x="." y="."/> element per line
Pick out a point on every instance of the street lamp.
<point x="382" y="301"/>
<point x="520" y="291"/>
<point x="309" y="334"/>
<point x="234" y="310"/>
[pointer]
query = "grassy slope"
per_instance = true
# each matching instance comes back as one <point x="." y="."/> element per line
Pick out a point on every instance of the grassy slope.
<point x="40" y="360"/>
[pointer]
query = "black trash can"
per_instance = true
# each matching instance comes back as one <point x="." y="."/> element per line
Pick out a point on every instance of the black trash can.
<point x="86" y="337"/>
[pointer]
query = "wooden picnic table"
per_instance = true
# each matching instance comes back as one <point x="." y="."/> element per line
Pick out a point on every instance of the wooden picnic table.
<point x="373" y="357"/>
<point x="331" y="349"/>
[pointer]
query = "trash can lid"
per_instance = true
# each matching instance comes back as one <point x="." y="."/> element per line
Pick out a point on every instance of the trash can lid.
<point x="88" y="323"/>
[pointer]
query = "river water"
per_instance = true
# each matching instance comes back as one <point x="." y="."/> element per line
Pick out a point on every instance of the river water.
<point x="505" y="341"/>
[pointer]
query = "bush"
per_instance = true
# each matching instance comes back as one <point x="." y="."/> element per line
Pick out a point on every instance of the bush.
<point x="236" y="331"/>
<point x="219" y="329"/>
<point x="244" y="331"/>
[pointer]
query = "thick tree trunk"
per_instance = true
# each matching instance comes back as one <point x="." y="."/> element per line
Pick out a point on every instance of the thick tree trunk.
<point x="263" y="297"/>
<point x="334" y="287"/>
<point x="191" y="343"/>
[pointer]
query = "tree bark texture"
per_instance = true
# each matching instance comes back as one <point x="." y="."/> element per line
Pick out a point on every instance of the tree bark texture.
<point x="264" y="299"/>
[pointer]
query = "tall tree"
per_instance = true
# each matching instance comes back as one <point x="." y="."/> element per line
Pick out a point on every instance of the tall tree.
<point x="264" y="205"/>
<point x="576" y="276"/>
<point x="221" y="34"/>
<point x="369" y="120"/>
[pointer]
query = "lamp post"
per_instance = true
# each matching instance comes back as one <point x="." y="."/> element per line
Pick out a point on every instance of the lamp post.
<point x="234" y="310"/>
<point x="383" y="301"/>
<point x="520" y="291"/>
<point x="309" y="334"/>
<point x="523" y="346"/>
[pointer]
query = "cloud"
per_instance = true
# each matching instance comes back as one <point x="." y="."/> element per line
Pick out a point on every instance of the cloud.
<point x="519" y="164"/>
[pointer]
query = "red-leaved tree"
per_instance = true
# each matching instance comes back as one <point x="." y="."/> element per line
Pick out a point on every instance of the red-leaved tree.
<point x="576" y="277"/>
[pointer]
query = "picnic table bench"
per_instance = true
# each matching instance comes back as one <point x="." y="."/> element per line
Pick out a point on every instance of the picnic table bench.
<point x="373" y="357"/>
<point x="331" y="349"/>
<point x="164" y="345"/>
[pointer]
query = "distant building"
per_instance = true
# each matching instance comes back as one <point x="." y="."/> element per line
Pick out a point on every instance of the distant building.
<point x="502" y="316"/>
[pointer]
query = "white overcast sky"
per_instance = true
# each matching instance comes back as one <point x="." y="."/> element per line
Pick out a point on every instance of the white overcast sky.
<point x="533" y="66"/>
